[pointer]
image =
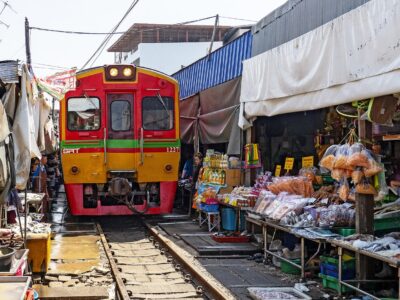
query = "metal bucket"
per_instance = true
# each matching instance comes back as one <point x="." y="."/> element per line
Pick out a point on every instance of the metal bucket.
<point x="6" y="256"/>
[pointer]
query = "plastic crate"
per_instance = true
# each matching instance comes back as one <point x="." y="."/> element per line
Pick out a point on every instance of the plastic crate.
<point x="385" y="224"/>
<point x="349" y="263"/>
<point x="209" y="207"/>
<point x="332" y="270"/>
<point x="327" y="179"/>
<point x="344" y="231"/>
<point x="290" y="269"/>
<point x="332" y="283"/>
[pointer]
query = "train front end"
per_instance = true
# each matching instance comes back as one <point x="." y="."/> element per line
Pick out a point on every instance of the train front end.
<point x="120" y="144"/>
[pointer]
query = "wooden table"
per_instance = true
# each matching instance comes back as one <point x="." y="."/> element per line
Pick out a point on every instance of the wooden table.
<point x="395" y="263"/>
<point x="34" y="199"/>
<point x="264" y="224"/>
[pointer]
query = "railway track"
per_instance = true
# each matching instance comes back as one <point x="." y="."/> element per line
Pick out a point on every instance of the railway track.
<point x="142" y="264"/>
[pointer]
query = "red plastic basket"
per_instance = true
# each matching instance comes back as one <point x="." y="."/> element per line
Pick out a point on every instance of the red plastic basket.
<point x="231" y="239"/>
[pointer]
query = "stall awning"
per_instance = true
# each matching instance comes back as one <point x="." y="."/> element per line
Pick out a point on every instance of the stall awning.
<point x="353" y="57"/>
<point x="212" y="115"/>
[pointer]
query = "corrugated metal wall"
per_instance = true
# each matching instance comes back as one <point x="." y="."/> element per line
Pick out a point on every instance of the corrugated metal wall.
<point x="223" y="64"/>
<point x="295" y="18"/>
<point x="9" y="71"/>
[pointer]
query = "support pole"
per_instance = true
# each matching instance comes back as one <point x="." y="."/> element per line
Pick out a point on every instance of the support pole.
<point x="364" y="209"/>
<point x="27" y="44"/>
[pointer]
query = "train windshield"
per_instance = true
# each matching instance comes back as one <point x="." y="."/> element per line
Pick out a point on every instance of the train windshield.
<point x="120" y="115"/>
<point x="158" y="114"/>
<point x="83" y="113"/>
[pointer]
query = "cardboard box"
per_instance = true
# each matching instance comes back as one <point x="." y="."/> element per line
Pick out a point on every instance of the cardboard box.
<point x="233" y="177"/>
<point x="226" y="190"/>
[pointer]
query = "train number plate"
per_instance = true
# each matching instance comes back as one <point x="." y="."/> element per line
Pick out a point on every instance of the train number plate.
<point x="70" y="151"/>
<point x="173" y="149"/>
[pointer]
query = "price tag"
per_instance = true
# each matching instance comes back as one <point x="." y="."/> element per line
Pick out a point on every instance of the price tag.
<point x="278" y="170"/>
<point x="289" y="161"/>
<point x="307" y="161"/>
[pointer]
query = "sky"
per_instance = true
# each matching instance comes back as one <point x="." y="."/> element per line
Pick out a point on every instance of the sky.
<point x="52" y="52"/>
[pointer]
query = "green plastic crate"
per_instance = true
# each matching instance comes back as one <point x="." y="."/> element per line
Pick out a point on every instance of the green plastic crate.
<point x="345" y="231"/>
<point x="327" y="179"/>
<point x="332" y="283"/>
<point x="289" y="269"/>
<point x="387" y="223"/>
<point x="346" y="264"/>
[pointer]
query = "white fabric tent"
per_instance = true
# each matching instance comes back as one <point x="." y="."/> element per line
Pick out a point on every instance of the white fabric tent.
<point x="353" y="57"/>
<point x="23" y="131"/>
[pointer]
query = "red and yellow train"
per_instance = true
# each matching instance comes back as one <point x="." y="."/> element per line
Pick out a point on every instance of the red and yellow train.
<point x="120" y="144"/>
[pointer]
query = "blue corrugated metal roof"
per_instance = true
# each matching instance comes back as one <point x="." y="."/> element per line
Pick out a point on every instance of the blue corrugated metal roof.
<point x="295" y="18"/>
<point x="222" y="65"/>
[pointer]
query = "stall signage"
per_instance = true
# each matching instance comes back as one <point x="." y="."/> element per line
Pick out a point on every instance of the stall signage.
<point x="278" y="170"/>
<point x="289" y="161"/>
<point x="307" y="161"/>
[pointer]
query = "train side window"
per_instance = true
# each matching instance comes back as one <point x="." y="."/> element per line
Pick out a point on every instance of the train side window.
<point x="158" y="113"/>
<point x="83" y="113"/>
<point x="120" y="115"/>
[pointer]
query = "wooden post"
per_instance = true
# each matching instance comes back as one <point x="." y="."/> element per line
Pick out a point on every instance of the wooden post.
<point x="27" y="44"/>
<point x="364" y="209"/>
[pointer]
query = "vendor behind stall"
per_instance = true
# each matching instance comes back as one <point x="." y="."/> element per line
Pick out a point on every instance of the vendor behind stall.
<point x="40" y="182"/>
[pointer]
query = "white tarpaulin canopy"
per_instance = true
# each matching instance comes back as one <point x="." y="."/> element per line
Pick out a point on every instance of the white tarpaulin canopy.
<point x="353" y="57"/>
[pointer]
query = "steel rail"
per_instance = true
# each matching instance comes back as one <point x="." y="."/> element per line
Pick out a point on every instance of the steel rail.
<point x="217" y="291"/>
<point x="123" y="293"/>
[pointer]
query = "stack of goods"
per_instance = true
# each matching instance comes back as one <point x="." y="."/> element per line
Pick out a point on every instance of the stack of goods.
<point x="292" y="185"/>
<point x="262" y="181"/>
<point x="206" y="199"/>
<point x="351" y="161"/>
<point x="299" y="211"/>
<point x="214" y="166"/>
<point x="252" y="156"/>
<point x="329" y="268"/>
<point x="388" y="246"/>
<point x="312" y="174"/>
<point x="276" y="207"/>
<point x="240" y="196"/>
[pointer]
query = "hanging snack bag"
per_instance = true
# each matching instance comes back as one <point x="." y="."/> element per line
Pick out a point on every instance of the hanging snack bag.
<point x="344" y="190"/>
<point x="357" y="175"/>
<point x="365" y="188"/>
<point x="358" y="156"/>
<point x="373" y="168"/>
<point x="341" y="157"/>
<point x="328" y="159"/>
<point x="338" y="174"/>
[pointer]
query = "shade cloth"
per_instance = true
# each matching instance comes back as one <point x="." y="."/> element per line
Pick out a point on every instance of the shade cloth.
<point x="213" y="115"/>
<point x="353" y="57"/>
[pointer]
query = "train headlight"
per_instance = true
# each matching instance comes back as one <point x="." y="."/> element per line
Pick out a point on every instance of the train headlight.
<point x="74" y="170"/>
<point x="127" y="72"/>
<point x="113" y="72"/>
<point x="120" y="73"/>
<point x="168" y="168"/>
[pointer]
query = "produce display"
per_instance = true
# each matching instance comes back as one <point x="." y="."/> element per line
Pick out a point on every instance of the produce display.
<point x="388" y="245"/>
<point x="240" y="196"/>
<point x="292" y="185"/>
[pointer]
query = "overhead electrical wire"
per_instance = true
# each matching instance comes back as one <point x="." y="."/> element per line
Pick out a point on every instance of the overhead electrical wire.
<point x="119" y="32"/>
<point x="237" y="19"/>
<point x="108" y="37"/>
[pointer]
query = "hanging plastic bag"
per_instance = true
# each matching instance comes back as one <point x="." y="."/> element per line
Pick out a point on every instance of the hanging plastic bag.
<point x="341" y="157"/>
<point x="374" y="168"/>
<point x="328" y="159"/>
<point x="344" y="190"/>
<point x="365" y="187"/>
<point x="357" y="156"/>
<point x="338" y="174"/>
<point x="357" y="175"/>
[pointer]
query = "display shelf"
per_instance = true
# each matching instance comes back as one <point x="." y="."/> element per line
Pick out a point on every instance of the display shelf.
<point x="343" y="285"/>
